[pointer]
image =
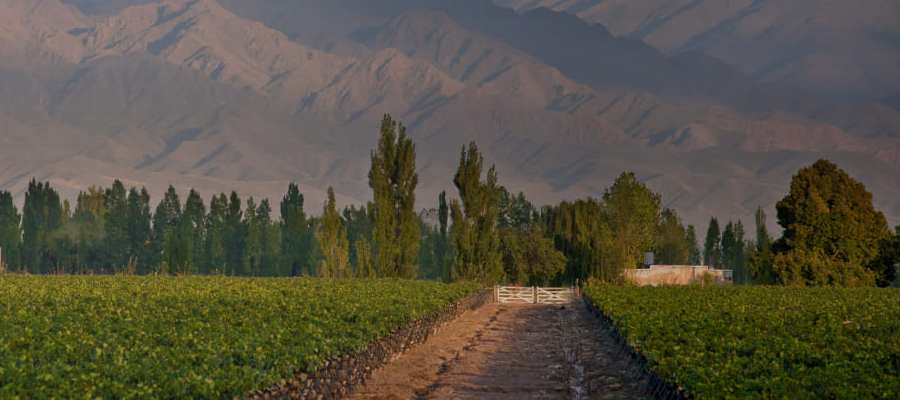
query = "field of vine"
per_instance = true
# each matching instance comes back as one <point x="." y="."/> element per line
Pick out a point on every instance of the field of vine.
<point x="190" y="337"/>
<point x="763" y="342"/>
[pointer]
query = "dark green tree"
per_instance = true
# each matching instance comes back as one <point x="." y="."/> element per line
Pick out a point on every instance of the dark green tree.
<point x="116" y="227"/>
<point x="393" y="180"/>
<point x="428" y="265"/>
<point x="694" y="249"/>
<point x="763" y="239"/>
<point x="253" y="240"/>
<point x="235" y="237"/>
<point x="828" y="216"/>
<point x="193" y="233"/>
<point x="734" y="251"/>
<point x="42" y="215"/>
<point x="712" y="249"/>
<point x="32" y="227"/>
<point x="215" y="234"/>
<point x="530" y="258"/>
<point x="739" y="254"/>
<point x="728" y="243"/>
<point x="139" y="224"/>
<point x="10" y="233"/>
<point x="515" y="210"/>
<point x="179" y="258"/>
<point x="442" y="251"/>
<point x="86" y="231"/>
<point x="580" y="233"/>
<point x="673" y="246"/>
<point x="164" y="237"/>
<point x="269" y="240"/>
<point x="359" y="228"/>
<point x="760" y="259"/>
<point x="296" y="237"/>
<point x="888" y="260"/>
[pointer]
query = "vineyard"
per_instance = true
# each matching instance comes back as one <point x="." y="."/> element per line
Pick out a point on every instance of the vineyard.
<point x="191" y="337"/>
<point x="763" y="342"/>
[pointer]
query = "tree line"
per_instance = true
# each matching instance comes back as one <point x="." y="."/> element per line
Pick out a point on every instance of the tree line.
<point x="833" y="235"/>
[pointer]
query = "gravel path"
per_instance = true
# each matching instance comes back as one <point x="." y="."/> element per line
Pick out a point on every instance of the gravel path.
<point x="513" y="352"/>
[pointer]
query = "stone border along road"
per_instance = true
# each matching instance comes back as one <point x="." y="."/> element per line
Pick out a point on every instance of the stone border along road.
<point x="514" y="352"/>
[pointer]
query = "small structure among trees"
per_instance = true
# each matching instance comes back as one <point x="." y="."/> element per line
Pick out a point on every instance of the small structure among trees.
<point x="656" y="275"/>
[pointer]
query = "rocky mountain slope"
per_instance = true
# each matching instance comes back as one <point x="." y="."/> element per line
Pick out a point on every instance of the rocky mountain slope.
<point x="238" y="94"/>
<point x="838" y="48"/>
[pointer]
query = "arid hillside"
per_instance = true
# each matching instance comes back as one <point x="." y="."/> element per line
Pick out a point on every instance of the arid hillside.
<point x="250" y="95"/>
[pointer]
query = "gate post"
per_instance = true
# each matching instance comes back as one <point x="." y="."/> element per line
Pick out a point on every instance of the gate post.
<point x="534" y="294"/>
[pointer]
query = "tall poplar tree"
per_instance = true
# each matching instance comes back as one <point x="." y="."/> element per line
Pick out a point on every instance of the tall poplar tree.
<point x="729" y="242"/>
<point x="333" y="243"/>
<point x="734" y="252"/>
<point x="215" y="234"/>
<point x="235" y="236"/>
<point x="116" y="227"/>
<point x="712" y="249"/>
<point x="474" y="231"/>
<point x="442" y="248"/>
<point x="32" y="227"/>
<point x="393" y="180"/>
<point x="139" y="223"/>
<point x="86" y="231"/>
<point x="760" y="267"/>
<point x="268" y="240"/>
<point x="763" y="239"/>
<point x="194" y="221"/>
<point x="165" y="224"/>
<point x="429" y="267"/>
<point x="253" y="242"/>
<point x="296" y="240"/>
<point x="42" y="215"/>
<point x="10" y="233"/>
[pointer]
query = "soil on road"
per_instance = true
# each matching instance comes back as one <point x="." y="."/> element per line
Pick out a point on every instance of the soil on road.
<point x="513" y="352"/>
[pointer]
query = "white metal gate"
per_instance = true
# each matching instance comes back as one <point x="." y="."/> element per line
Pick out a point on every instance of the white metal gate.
<point x="555" y="295"/>
<point x="514" y="295"/>
<point x="533" y="295"/>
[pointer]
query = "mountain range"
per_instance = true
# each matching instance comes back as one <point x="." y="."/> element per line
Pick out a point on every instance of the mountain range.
<point x="252" y="94"/>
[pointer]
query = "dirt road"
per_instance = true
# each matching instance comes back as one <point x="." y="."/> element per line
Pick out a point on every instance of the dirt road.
<point x="512" y="352"/>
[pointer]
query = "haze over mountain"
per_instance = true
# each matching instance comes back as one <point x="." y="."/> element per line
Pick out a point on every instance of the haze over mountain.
<point x="840" y="48"/>
<point x="250" y="95"/>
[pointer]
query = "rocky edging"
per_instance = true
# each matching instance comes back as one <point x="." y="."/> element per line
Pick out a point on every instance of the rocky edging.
<point x="339" y="375"/>
<point x="658" y="387"/>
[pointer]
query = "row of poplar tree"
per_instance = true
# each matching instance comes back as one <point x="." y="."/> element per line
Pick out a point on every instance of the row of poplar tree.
<point x="485" y="233"/>
<point x="116" y="230"/>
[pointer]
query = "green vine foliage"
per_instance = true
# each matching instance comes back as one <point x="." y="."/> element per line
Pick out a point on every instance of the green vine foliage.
<point x="191" y="337"/>
<point x="763" y="342"/>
